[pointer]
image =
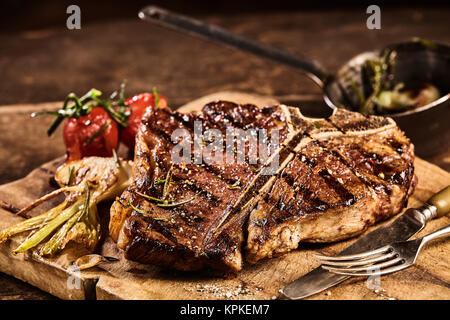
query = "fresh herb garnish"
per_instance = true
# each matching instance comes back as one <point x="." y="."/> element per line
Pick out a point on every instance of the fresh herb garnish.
<point x="98" y="133"/>
<point x="71" y="173"/>
<point x="236" y="185"/>
<point x="378" y="73"/>
<point x="357" y="92"/>
<point x="75" y="107"/>
<point x="173" y="204"/>
<point x="149" y="197"/>
<point x="164" y="202"/>
<point x="167" y="183"/>
<point x="156" y="95"/>
<point x="116" y="158"/>
<point x="317" y="124"/>
<point x="86" y="202"/>
<point x="161" y="181"/>
<point x="142" y="211"/>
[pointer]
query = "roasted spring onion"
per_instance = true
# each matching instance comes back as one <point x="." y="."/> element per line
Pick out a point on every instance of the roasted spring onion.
<point x="76" y="218"/>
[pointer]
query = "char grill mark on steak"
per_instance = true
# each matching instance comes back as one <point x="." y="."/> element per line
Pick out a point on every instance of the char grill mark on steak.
<point x="153" y="148"/>
<point x="278" y="224"/>
<point x="381" y="168"/>
<point x="228" y="173"/>
<point x="320" y="187"/>
<point x="253" y="190"/>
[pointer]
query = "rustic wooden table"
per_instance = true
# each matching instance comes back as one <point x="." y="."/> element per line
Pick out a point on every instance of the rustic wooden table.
<point x="45" y="65"/>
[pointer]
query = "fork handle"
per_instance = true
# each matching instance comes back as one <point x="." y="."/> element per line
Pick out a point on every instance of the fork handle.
<point x="437" y="234"/>
<point x="441" y="201"/>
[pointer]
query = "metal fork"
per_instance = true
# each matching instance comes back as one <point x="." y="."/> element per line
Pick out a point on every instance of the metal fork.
<point x="391" y="258"/>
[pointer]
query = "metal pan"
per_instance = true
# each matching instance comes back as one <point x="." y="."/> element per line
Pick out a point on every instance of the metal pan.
<point x="416" y="62"/>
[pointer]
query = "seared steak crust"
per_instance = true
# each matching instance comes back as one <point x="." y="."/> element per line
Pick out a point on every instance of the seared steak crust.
<point x="337" y="176"/>
<point x="209" y="230"/>
<point x="353" y="172"/>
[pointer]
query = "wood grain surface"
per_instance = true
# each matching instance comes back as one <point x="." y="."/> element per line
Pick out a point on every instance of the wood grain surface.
<point x="428" y="279"/>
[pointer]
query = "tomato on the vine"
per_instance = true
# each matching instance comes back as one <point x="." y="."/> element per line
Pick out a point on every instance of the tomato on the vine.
<point x="95" y="134"/>
<point x="139" y="103"/>
<point x="95" y="126"/>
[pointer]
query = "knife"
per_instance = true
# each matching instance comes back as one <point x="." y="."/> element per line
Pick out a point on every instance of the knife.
<point x="402" y="228"/>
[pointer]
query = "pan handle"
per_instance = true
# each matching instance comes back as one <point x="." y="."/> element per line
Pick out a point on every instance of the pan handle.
<point x="194" y="27"/>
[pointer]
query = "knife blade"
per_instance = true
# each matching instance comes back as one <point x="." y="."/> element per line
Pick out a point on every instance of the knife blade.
<point x="402" y="228"/>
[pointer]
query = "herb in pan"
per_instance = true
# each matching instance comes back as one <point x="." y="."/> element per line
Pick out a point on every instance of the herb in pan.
<point x="378" y="73"/>
<point x="384" y="96"/>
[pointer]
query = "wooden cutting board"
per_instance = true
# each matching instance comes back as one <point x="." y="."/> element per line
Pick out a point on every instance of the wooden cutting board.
<point x="428" y="279"/>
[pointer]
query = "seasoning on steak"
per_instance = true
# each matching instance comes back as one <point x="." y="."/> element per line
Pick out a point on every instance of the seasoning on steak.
<point x="350" y="172"/>
<point x="336" y="177"/>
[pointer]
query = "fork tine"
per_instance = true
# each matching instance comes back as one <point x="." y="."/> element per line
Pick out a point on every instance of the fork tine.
<point x="362" y="255"/>
<point x="379" y="273"/>
<point x="371" y="269"/>
<point x="361" y="262"/>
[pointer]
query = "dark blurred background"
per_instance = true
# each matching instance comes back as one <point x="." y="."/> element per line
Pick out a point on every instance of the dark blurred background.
<point x="25" y="14"/>
<point x="41" y="60"/>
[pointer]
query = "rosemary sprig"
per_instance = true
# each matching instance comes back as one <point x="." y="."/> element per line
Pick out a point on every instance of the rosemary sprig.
<point x="167" y="183"/>
<point x="316" y="124"/>
<point x="149" y="197"/>
<point x="236" y="185"/>
<point x="357" y="92"/>
<point x="156" y="95"/>
<point x="71" y="174"/>
<point x="116" y="158"/>
<point x="75" y="107"/>
<point x="161" y="181"/>
<point x="98" y="133"/>
<point x="164" y="202"/>
<point x="377" y="72"/>
<point x="174" y="204"/>
<point x="142" y="211"/>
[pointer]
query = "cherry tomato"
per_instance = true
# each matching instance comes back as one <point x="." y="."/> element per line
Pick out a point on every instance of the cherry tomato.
<point x="95" y="134"/>
<point x="139" y="103"/>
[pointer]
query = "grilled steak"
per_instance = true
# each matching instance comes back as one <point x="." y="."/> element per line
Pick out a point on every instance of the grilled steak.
<point x="348" y="172"/>
<point x="335" y="177"/>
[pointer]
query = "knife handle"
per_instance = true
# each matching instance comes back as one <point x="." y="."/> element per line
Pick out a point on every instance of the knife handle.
<point x="441" y="201"/>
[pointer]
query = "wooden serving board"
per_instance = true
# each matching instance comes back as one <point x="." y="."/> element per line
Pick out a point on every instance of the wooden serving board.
<point x="428" y="279"/>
